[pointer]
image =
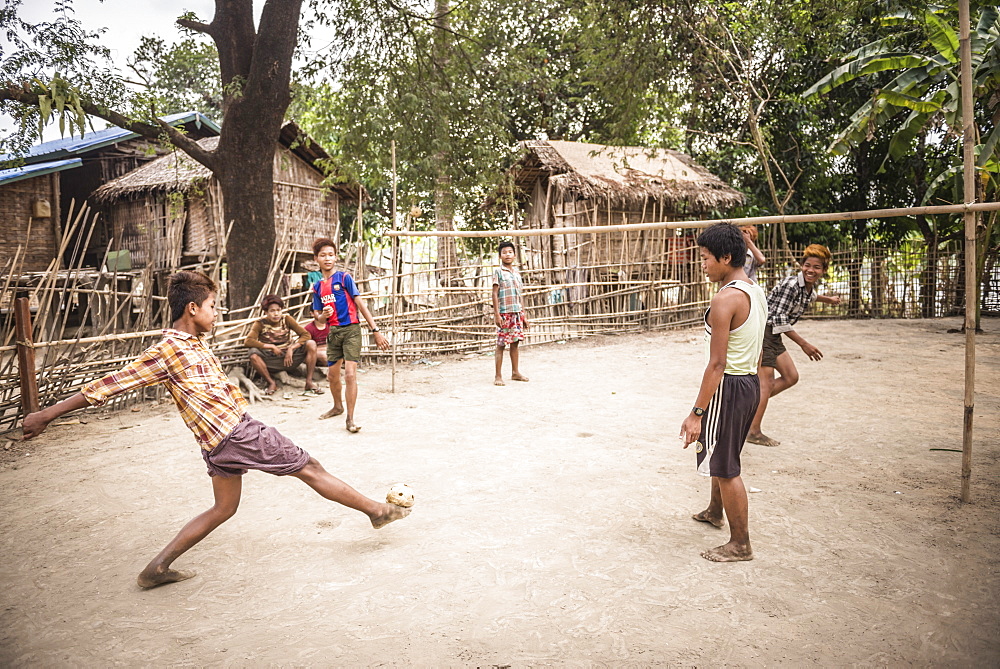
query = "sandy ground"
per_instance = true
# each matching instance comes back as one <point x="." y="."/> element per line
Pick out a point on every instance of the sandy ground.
<point x="552" y="523"/>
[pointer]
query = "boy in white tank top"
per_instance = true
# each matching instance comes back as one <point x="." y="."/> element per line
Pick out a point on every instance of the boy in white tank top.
<point x="730" y="391"/>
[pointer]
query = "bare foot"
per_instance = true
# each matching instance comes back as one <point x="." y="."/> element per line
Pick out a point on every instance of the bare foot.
<point x="387" y="514"/>
<point x="498" y="382"/>
<point x="729" y="553"/>
<point x="518" y="377"/>
<point x="151" y="579"/>
<point x="335" y="411"/>
<point x="706" y="517"/>
<point x="351" y="427"/>
<point x="762" y="439"/>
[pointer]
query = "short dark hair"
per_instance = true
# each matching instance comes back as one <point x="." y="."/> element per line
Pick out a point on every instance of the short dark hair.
<point x="725" y="239"/>
<point x="268" y="300"/>
<point x="322" y="242"/>
<point x="504" y="245"/>
<point x="183" y="288"/>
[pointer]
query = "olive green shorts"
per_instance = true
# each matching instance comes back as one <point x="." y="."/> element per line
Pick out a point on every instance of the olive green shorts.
<point x="773" y="347"/>
<point x="344" y="343"/>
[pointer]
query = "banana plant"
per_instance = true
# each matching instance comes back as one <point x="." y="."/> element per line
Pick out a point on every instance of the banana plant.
<point x="927" y="83"/>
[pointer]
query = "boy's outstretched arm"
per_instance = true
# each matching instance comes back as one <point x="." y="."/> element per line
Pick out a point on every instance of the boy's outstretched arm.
<point x="35" y="423"/>
<point x="380" y="339"/>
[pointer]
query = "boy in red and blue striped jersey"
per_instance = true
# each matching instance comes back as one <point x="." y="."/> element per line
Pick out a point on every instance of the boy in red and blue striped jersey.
<point x="337" y="296"/>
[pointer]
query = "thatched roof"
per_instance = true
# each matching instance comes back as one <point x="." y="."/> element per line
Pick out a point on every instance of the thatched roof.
<point x="174" y="172"/>
<point x="626" y="174"/>
<point x="179" y="172"/>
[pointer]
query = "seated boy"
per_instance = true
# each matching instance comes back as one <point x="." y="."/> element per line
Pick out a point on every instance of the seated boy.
<point x="213" y="408"/>
<point x="273" y="348"/>
<point x="319" y="330"/>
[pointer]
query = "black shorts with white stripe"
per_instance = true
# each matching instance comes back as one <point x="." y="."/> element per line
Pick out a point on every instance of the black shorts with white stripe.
<point x="725" y="425"/>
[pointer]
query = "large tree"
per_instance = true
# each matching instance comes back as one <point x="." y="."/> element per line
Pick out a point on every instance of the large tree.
<point x="255" y="65"/>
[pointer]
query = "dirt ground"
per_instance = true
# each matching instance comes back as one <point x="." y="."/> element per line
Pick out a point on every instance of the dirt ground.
<point x="552" y="522"/>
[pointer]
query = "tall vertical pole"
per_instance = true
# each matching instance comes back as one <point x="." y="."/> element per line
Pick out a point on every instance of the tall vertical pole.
<point x="395" y="253"/>
<point x="25" y="356"/>
<point x="969" y="179"/>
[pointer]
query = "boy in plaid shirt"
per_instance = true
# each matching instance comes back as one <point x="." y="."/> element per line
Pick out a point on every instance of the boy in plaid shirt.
<point x="508" y="312"/>
<point x="786" y="303"/>
<point x="214" y="409"/>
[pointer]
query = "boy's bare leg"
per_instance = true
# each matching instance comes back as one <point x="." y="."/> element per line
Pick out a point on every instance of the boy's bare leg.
<point x="498" y="360"/>
<point x="789" y="374"/>
<point x="310" y="363"/>
<point x="335" y="490"/>
<point x="734" y="500"/>
<point x="333" y="376"/>
<point x="351" y="381"/>
<point x="227" y="499"/>
<point x="713" y="514"/>
<point x="514" y="355"/>
<point x="755" y="436"/>
<point x="257" y="362"/>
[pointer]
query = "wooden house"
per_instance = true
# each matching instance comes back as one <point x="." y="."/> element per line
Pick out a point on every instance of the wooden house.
<point x="574" y="184"/>
<point x="169" y="212"/>
<point x="36" y="195"/>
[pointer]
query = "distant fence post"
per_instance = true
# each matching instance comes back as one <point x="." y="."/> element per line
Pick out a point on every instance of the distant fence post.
<point x="25" y="356"/>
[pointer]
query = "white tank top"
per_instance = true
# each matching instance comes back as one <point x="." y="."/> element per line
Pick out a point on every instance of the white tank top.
<point x="745" y="341"/>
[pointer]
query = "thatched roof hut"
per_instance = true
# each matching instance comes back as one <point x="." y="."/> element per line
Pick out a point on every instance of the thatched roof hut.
<point x="170" y="210"/>
<point x="574" y="184"/>
<point x="623" y="175"/>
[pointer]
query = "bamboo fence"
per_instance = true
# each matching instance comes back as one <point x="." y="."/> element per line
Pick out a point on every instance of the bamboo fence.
<point x="91" y="321"/>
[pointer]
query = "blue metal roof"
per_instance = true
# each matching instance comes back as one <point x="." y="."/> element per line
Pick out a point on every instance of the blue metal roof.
<point x="37" y="170"/>
<point x="71" y="146"/>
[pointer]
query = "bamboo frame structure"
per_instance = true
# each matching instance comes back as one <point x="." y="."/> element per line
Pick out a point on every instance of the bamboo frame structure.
<point x="969" y="195"/>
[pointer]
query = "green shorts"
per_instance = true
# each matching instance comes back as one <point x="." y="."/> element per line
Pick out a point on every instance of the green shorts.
<point x="344" y="343"/>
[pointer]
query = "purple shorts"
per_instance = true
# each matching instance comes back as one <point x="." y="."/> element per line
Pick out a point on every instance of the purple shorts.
<point x="254" y="445"/>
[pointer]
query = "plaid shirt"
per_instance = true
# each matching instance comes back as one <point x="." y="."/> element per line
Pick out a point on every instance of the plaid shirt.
<point x="786" y="303"/>
<point x="510" y="289"/>
<point x="210" y="404"/>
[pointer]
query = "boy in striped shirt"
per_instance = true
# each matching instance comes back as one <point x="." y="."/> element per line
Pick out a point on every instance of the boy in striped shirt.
<point x="337" y="296"/>
<point x="216" y="412"/>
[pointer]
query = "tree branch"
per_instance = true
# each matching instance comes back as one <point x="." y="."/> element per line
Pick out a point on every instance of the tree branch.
<point x="196" y="26"/>
<point x="23" y="95"/>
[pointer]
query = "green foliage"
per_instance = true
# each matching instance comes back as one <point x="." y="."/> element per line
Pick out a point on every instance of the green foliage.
<point x="179" y="77"/>
<point x="61" y="62"/>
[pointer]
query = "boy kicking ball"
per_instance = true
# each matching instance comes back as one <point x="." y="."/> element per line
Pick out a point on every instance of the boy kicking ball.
<point x="720" y="420"/>
<point x="213" y="408"/>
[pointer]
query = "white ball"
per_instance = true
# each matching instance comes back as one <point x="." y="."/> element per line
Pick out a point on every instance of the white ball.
<point x="400" y="494"/>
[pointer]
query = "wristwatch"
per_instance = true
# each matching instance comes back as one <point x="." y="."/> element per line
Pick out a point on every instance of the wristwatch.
<point x="376" y="330"/>
<point x="698" y="411"/>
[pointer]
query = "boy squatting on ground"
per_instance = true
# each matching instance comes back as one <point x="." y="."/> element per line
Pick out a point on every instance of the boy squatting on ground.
<point x="319" y="330"/>
<point x="272" y="349"/>
<point x="212" y="407"/>
<point x="508" y="313"/>
<point x="337" y="296"/>
<point x="785" y="305"/>
<point x="729" y="393"/>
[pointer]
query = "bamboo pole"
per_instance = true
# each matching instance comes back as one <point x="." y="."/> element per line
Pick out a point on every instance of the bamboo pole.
<point x="752" y="220"/>
<point x="969" y="196"/>
<point x="25" y="356"/>
<point x="395" y="269"/>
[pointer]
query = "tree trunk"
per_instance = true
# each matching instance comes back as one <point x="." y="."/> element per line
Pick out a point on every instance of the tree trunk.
<point x="256" y="70"/>
<point x="444" y="199"/>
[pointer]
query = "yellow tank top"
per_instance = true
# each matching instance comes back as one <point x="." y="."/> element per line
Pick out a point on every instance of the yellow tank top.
<point x="745" y="341"/>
